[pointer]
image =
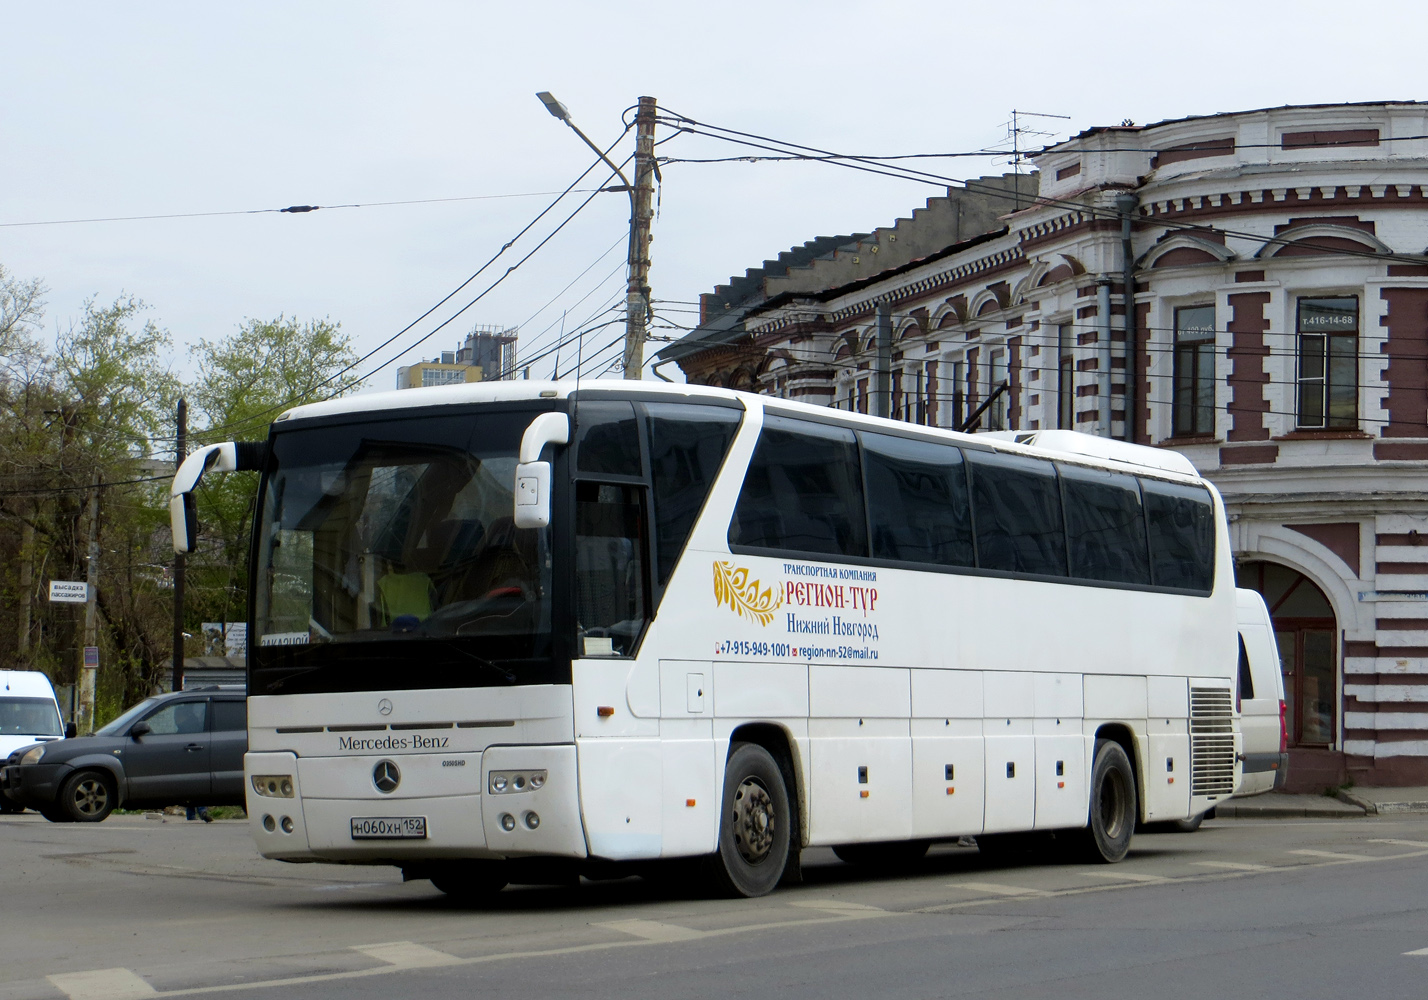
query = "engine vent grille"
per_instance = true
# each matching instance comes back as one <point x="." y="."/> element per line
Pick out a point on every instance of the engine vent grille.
<point x="1212" y="742"/>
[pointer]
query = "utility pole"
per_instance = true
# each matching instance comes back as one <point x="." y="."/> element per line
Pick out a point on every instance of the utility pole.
<point x="637" y="297"/>
<point x="882" y="385"/>
<point x="180" y="453"/>
<point x="89" y="659"/>
<point x="27" y="585"/>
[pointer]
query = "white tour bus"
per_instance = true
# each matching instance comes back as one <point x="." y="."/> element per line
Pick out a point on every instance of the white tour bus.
<point x="514" y="631"/>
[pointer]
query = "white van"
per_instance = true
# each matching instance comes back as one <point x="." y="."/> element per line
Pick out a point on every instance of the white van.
<point x="29" y="714"/>
<point x="1261" y="697"/>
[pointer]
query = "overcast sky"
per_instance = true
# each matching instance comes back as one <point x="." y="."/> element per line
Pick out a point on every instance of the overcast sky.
<point x="165" y="108"/>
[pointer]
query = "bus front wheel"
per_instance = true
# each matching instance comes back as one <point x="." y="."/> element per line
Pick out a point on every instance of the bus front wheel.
<point x="1113" y="804"/>
<point x="755" y="824"/>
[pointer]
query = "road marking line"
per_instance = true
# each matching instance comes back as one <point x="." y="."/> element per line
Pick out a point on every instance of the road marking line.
<point x="1126" y="876"/>
<point x="1336" y="856"/>
<point x="996" y="889"/>
<point x="1402" y="843"/>
<point x="1420" y="951"/>
<point x="406" y="954"/>
<point x="837" y="906"/>
<point x="652" y="930"/>
<point x="102" y="984"/>
<point x="1234" y="866"/>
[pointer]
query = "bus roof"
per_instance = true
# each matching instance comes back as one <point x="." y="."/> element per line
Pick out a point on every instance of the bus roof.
<point x="1087" y="448"/>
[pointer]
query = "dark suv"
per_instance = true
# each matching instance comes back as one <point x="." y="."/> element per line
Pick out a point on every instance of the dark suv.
<point x="184" y="748"/>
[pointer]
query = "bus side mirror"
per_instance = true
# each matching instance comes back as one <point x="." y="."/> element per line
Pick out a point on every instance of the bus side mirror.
<point x="533" y="495"/>
<point x="532" y="486"/>
<point x="231" y="456"/>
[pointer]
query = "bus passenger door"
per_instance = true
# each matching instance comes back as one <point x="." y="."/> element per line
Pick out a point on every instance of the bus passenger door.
<point x="690" y="800"/>
<point x="1060" y="753"/>
<point x="1167" y="764"/>
<point x="1010" y="740"/>
<point x="948" y="778"/>
<point x="861" y="754"/>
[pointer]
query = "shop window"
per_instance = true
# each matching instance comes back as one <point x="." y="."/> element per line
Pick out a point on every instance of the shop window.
<point x="1328" y="362"/>
<point x="1194" y="374"/>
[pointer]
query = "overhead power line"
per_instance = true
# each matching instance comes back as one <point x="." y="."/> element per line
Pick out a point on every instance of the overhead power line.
<point x="754" y="140"/>
<point x="290" y="210"/>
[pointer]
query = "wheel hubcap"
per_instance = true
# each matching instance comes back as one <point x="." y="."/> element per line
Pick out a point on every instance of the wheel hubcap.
<point x="754" y="821"/>
<point x="90" y="797"/>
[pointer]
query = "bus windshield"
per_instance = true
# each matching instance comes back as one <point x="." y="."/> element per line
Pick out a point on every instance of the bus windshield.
<point x="399" y="531"/>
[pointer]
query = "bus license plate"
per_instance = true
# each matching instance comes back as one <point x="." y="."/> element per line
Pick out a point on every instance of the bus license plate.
<point x="389" y="828"/>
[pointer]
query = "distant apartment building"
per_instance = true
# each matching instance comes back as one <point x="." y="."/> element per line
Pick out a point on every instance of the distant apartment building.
<point x="1280" y="333"/>
<point x="487" y="354"/>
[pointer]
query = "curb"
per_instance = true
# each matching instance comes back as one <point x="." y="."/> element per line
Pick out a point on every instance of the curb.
<point x="1246" y="810"/>
<point x="1373" y="808"/>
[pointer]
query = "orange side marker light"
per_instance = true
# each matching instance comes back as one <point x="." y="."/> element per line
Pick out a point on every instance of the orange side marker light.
<point x="950" y="789"/>
<point x="605" y="711"/>
<point x="863" y="794"/>
<point x="689" y="803"/>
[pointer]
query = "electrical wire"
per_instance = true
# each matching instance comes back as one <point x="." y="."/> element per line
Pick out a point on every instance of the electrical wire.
<point x="290" y="210"/>
<point x="904" y="173"/>
<point x="247" y="421"/>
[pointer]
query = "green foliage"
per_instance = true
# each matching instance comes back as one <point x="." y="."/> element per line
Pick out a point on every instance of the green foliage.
<point x="247" y="379"/>
<point x="101" y="404"/>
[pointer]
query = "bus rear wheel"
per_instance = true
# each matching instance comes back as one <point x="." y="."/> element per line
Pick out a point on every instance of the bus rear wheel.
<point x="755" y="824"/>
<point x="1114" y="809"/>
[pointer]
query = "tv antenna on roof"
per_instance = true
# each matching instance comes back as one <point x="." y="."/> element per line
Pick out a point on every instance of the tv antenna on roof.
<point x="1016" y="131"/>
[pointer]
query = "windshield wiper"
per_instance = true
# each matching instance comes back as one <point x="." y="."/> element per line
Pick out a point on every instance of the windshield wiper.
<point x="480" y="661"/>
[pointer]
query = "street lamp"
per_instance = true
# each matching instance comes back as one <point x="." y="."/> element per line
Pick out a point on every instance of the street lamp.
<point x="637" y="293"/>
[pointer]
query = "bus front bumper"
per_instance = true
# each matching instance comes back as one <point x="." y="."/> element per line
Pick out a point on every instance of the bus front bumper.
<point x="336" y="811"/>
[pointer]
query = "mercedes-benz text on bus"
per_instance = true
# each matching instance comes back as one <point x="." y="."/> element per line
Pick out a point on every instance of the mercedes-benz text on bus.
<point x="511" y="631"/>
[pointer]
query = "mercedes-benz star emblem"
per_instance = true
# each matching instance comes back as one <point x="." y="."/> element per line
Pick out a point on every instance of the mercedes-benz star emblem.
<point x="386" y="776"/>
<point x="384" y="707"/>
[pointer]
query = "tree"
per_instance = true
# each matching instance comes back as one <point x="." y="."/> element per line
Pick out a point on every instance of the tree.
<point x="245" y="380"/>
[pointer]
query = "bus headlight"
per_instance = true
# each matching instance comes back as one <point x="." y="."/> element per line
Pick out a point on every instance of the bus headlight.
<point x="273" y="786"/>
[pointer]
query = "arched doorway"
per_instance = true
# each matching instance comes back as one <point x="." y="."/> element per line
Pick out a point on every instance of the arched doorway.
<point x="1307" y="633"/>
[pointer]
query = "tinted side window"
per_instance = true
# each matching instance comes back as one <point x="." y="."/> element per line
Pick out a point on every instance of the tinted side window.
<point x="917" y="501"/>
<point x="609" y="566"/>
<point x="607" y="439"/>
<point x="1182" y="535"/>
<point x="178" y="717"/>
<point x="1246" y="679"/>
<point x="1105" y="526"/>
<point x="1017" y="509"/>
<point x="687" y="446"/>
<point x="803" y="491"/>
<point x="228" y="715"/>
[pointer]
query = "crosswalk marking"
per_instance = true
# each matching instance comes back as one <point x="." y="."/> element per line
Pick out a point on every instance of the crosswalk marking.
<point x="652" y="930"/>
<point x="1234" y="866"/>
<point x="1401" y="843"/>
<point x="996" y="889"/>
<point x="407" y="954"/>
<point x="1420" y="951"/>
<point x="1126" y="876"/>
<point x="102" y="984"/>
<point x="1336" y="856"/>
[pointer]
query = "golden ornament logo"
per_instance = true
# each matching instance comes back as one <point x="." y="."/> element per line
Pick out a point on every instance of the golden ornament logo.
<point x="733" y="587"/>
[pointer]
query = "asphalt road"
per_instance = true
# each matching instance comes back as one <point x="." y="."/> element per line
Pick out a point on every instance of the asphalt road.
<point x="135" y="908"/>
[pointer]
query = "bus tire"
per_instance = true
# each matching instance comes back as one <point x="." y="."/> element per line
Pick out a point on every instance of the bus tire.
<point x="1113" y="811"/>
<point x="469" y="882"/>
<point x="888" y="856"/>
<point x="755" y="825"/>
